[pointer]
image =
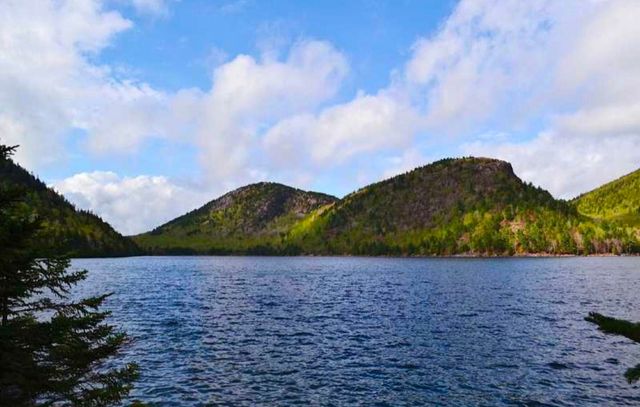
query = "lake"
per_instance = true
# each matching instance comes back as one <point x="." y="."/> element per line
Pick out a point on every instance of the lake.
<point x="373" y="331"/>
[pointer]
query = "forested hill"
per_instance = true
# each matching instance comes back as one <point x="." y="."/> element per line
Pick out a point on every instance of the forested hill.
<point x="618" y="201"/>
<point x="471" y="206"/>
<point x="474" y="206"/>
<point x="249" y="220"/>
<point x="465" y="206"/>
<point x="66" y="230"/>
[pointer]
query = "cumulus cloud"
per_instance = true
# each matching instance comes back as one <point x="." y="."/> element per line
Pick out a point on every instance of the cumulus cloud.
<point x="130" y="204"/>
<point x="490" y="57"/>
<point x="566" y="165"/>
<point x="44" y="73"/>
<point x="495" y="67"/>
<point x="249" y="95"/>
<point x="568" y="69"/>
<point x="367" y="123"/>
<point x="50" y="86"/>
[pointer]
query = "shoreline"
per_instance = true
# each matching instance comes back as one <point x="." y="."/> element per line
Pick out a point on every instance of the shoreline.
<point x="453" y="256"/>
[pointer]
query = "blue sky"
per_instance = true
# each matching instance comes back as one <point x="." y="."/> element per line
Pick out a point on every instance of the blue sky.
<point x="142" y="109"/>
<point x="178" y="50"/>
<point x="178" y="47"/>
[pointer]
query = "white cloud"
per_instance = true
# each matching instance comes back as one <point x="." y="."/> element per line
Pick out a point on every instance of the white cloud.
<point x="130" y="204"/>
<point x="606" y="119"/>
<point x="249" y="95"/>
<point x="365" y="124"/>
<point x="44" y="73"/>
<point x="50" y="86"/>
<point x="566" y="165"/>
<point x="569" y="68"/>
<point x="490" y="57"/>
<point x="601" y="60"/>
<point x="493" y="68"/>
<point x="152" y="7"/>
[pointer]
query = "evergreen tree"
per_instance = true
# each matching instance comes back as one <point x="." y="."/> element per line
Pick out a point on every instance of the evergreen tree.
<point x="53" y="350"/>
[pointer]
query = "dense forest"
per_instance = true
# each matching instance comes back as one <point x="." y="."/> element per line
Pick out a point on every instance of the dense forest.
<point x="66" y="229"/>
<point x="250" y="220"/>
<point x="467" y="206"/>
<point x="617" y="201"/>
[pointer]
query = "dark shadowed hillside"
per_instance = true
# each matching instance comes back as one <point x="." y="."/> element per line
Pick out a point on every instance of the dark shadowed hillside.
<point x="66" y="230"/>
<point x="437" y="194"/>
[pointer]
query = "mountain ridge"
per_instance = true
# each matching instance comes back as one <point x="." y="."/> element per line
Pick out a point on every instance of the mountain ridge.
<point x="470" y="205"/>
<point x="474" y="206"/>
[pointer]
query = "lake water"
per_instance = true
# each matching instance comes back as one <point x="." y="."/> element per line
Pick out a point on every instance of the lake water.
<point x="373" y="331"/>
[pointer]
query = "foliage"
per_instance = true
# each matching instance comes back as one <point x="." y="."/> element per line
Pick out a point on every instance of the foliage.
<point x="53" y="351"/>
<point x="251" y="220"/>
<point x="618" y="200"/>
<point x="619" y="327"/>
<point x="468" y="206"/>
<point x="67" y="230"/>
<point x="472" y="206"/>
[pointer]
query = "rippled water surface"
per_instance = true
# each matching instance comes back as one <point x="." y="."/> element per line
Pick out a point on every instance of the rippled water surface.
<point x="369" y="331"/>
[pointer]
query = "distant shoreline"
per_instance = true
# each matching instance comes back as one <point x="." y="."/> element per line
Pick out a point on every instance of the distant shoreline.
<point x="453" y="256"/>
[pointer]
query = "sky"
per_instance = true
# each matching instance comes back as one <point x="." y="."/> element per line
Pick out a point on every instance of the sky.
<point x="140" y="110"/>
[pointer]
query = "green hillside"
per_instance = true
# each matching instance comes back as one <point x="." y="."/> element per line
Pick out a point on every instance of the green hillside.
<point x="471" y="206"/>
<point x="252" y="219"/>
<point x="474" y="206"/>
<point x="66" y="230"/>
<point x="618" y="201"/>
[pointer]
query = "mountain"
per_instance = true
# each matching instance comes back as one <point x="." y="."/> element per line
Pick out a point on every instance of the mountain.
<point x="617" y="201"/>
<point x="250" y="220"/>
<point x="453" y="206"/>
<point x="66" y="230"/>
<point x="470" y="206"/>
